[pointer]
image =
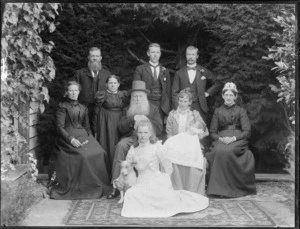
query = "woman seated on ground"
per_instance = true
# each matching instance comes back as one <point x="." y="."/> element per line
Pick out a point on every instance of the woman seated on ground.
<point x="185" y="129"/>
<point x="78" y="158"/>
<point x="232" y="165"/>
<point x="153" y="194"/>
<point x="109" y="105"/>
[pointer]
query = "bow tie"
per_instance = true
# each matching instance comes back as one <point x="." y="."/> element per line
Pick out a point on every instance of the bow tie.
<point x="191" y="68"/>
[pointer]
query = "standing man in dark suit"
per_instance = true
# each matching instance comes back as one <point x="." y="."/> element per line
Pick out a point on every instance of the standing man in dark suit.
<point x="91" y="79"/>
<point x="195" y="77"/>
<point x="157" y="79"/>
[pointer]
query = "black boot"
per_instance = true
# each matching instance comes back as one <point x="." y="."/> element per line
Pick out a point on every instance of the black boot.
<point x="114" y="194"/>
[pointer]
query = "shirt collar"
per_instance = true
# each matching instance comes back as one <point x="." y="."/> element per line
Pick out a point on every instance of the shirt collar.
<point x="229" y="105"/>
<point x="192" y="66"/>
<point x="110" y="92"/>
<point x="152" y="64"/>
<point x="73" y="102"/>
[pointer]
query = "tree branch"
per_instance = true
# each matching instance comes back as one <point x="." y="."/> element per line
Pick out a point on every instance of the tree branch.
<point x="195" y="35"/>
<point x="135" y="57"/>
<point x="162" y="49"/>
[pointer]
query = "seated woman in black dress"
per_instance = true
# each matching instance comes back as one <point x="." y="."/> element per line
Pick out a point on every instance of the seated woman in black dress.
<point x="79" y="159"/>
<point x="232" y="165"/>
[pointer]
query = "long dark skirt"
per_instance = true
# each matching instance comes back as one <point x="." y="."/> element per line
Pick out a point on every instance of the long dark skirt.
<point x="80" y="172"/>
<point x="232" y="170"/>
<point x="107" y="131"/>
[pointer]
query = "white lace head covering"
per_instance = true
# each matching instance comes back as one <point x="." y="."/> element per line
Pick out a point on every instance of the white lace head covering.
<point x="229" y="86"/>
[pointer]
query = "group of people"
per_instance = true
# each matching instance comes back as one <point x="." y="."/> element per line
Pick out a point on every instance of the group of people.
<point x="99" y="125"/>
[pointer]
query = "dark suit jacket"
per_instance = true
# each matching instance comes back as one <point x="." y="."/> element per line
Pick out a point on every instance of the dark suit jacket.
<point x="144" y="73"/>
<point x="181" y="81"/>
<point x="126" y="125"/>
<point x="85" y="78"/>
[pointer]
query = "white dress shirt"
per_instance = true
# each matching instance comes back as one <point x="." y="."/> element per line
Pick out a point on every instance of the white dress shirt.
<point x="93" y="74"/>
<point x="152" y="69"/>
<point x="192" y="73"/>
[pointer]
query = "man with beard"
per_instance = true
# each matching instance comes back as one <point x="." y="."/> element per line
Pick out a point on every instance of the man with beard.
<point x="138" y="110"/>
<point x="196" y="78"/>
<point x="91" y="79"/>
<point x="157" y="79"/>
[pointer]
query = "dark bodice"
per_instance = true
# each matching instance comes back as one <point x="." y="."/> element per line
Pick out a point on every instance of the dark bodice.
<point x="71" y="114"/>
<point x="113" y="101"/>
<point x="233" y="118"/>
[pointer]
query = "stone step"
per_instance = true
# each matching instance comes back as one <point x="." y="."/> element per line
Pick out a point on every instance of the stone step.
<point x="258" y="177"/>
<point x="273" y="177"/>
<point x="19" y="171"/>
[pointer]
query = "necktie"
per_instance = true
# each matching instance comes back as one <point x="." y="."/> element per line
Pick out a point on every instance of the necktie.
<point x="191" y="68"/>
<point x="154" y="72"/>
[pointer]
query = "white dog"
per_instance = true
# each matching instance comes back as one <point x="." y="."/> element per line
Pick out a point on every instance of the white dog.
<point x="126" y="179"/>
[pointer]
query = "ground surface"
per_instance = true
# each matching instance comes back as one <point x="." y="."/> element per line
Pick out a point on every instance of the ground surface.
<point x="275" y="197"/>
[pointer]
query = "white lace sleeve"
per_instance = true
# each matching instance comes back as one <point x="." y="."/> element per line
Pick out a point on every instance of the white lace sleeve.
<point x="164" y="164"/>
<point x="130" y="155"/>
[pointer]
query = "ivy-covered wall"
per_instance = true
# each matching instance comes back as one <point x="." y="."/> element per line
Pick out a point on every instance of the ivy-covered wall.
<point x="25" y="65"/>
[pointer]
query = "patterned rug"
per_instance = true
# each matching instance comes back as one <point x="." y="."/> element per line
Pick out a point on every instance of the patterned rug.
<point x="220" y="212"/>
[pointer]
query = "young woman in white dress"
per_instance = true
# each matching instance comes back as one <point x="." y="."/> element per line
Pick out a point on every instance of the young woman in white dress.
<point x="153" y="194"/>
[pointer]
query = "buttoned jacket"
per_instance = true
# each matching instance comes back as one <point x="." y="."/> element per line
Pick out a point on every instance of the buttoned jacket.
<point x="203" y="76"/>
<point x="85" y="78"/>
<point x="144" y="73"/>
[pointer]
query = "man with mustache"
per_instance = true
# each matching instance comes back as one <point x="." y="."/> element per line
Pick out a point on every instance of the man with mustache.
<point x="91" y="79"/>
<point x="196" y="78"/>
<point x="157" y="79"/>
<point x="138" y="110"/>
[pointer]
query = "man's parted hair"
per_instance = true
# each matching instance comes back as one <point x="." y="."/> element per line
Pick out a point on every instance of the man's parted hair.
<point x="192" y="48"/>
<point x="153" y="45"/>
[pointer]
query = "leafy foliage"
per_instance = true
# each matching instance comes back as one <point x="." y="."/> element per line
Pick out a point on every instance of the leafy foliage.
<point x="25" y="66"/>
<point x="283" y="55"/>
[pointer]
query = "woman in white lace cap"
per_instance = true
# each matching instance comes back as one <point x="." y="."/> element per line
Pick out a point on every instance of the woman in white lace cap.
<point x="232" y="165"/>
